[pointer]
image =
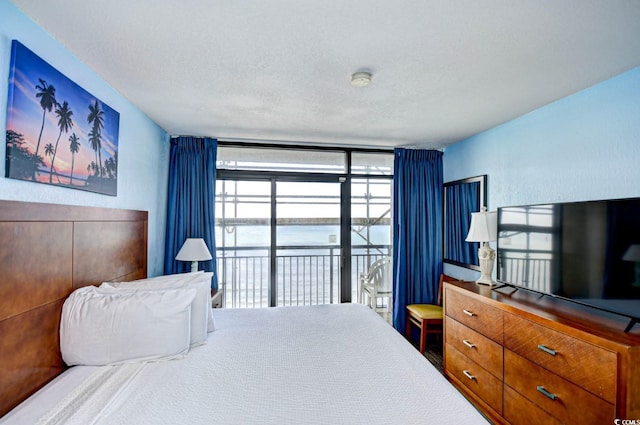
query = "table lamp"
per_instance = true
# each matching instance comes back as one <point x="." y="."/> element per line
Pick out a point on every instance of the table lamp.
<point x="484" y="229"/>
<point x="194" y="250"/>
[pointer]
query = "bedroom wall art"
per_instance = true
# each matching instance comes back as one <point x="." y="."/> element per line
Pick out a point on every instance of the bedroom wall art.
<point x="57" y="132"/>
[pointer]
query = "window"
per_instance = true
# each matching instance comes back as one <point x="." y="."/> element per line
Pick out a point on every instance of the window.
<point x="280" y="160"/>
<point x="294" y="228"/>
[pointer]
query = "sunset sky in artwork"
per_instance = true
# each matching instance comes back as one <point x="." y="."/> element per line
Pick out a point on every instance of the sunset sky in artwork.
<point x="24" y="116"/>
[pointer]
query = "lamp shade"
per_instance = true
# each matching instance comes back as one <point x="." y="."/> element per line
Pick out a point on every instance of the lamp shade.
<point x="632" y="253"/>
<point x="194" y="249"/>
<point x="484" y="226"/>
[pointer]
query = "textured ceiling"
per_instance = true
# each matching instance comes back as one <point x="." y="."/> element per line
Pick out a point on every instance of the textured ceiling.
<point x="279" y="70"/>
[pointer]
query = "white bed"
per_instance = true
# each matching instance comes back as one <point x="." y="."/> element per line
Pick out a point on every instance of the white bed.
<point x="292" y="365"/>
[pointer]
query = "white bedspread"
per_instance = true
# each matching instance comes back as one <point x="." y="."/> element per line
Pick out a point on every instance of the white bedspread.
<point x="336" y="364"/>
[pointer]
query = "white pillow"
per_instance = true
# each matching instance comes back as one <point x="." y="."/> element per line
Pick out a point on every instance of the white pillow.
<point x="201" y="314"/>
<point x="100" y="328"/>
<point x="170" y="277"/>
<point x="177" y="278"/>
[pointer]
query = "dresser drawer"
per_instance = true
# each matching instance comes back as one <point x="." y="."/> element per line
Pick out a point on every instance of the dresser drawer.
<point x="563" y="399"/>
<point x="474" y="377"/>
<point x="474" y="313"/>
<point x="520" y="411"/>
<point x="475" y="346"/>
<point x="586" y="365"/>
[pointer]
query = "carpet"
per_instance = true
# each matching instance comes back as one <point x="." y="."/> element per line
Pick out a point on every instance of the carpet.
<point x="433" y="353"/>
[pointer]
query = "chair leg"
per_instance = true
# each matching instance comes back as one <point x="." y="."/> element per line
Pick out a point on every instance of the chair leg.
<point x="423" y="337"/>
<point x="407" y="332"/>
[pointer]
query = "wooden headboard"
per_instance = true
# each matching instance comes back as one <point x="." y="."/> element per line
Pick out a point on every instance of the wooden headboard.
<point x="47" y="251"/>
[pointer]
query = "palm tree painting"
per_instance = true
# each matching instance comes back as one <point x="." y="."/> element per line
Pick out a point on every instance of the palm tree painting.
<point x="74" y="147"/>
<point x="44" y="106"/>
<point x="47" y="95"/>
<point x="50" y="151"/>
<point x="96" y="119"/>
<point x="65" y="123"/>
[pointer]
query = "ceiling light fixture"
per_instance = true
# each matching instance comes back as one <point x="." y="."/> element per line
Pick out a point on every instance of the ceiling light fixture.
<point x="360" y="79"/>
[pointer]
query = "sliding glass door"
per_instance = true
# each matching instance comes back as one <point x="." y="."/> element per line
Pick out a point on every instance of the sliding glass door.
<point x="278" y="242"/>
<point x="243" y="241"/>
<point x="307" y="243"/>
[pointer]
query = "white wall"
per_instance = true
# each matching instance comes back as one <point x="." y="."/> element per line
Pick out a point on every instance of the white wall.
<point x="582" y="147"/>
<point x="143" y="147"/>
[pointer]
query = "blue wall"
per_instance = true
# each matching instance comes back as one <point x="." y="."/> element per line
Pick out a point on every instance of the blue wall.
<point x="143" y="147"/>
<point x="582" y="147"/>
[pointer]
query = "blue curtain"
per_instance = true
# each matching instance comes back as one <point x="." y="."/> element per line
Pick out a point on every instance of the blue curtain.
<point x="417" y="221"/>
<point x="462" y="200"/>
<point x="190" y="205"/>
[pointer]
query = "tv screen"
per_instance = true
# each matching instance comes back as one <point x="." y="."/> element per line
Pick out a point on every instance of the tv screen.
<point x="588" y="252"/>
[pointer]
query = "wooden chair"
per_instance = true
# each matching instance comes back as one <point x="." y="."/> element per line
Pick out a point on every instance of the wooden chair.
<point x="427" y="317"/>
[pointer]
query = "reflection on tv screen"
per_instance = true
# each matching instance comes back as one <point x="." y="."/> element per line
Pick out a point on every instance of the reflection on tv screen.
<point x="584" y="251"/>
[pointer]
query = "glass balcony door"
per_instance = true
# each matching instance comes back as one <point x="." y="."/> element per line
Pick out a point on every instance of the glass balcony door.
<point x="283" y="242"/>
<point x="278" y="242"/>
<point x="243" y="242"/>
<point x="307" y="234"/>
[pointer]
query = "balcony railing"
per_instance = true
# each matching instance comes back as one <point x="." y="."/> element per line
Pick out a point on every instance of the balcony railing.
<point x="305" y="275"/>
<point x="534" y="273"/>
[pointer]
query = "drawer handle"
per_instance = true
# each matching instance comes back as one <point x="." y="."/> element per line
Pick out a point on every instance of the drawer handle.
<point x="468" y="313"/>
<point x="469" y="375"/>
<point x="547" y="350"/>
<point x="544" y="391"/>
<point x="468" y="343"/>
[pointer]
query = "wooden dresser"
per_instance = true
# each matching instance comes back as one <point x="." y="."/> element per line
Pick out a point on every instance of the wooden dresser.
<point x="523" y="358"/>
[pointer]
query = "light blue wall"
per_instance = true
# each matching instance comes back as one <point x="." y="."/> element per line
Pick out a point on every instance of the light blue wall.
<point x="582" y="147"/>
<point x="143" y="147"/>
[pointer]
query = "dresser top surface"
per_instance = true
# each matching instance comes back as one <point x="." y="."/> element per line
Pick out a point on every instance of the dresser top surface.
<point x="554" y="312"/>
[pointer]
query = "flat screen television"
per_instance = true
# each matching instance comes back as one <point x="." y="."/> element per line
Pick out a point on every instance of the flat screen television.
<point x="586" y="252"/>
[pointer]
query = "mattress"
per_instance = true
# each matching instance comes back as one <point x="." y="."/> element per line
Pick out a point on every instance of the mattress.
<point x="291" y="365"/>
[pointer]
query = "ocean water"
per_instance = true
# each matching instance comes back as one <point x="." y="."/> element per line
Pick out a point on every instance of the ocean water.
<point x="296" y="235"/>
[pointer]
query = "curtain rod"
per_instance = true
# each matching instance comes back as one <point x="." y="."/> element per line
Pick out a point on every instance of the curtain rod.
<point x="314" y="144"/>
<point x="300" y="143"/>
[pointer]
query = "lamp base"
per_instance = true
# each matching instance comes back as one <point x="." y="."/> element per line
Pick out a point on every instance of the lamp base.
<point x="486" y="281"/>
<point x="486" y="255"/>
<point x="194" y="266"/>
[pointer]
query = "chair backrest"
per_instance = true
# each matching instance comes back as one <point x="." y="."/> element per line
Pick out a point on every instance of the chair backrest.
<point x="380" y="274"/>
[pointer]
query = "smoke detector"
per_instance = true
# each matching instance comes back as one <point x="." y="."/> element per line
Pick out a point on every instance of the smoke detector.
<point x="360" y="79"/>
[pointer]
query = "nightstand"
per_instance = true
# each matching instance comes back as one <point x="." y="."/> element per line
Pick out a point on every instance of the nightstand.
<point x="216" y="298"/>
